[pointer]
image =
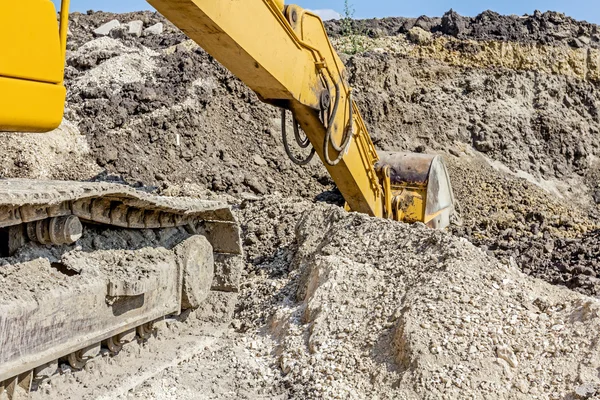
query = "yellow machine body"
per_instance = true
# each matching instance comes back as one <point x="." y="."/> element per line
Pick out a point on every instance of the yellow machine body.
<point x="31" y="66"/>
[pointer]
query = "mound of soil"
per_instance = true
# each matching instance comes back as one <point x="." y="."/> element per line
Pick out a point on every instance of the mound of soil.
<point x="546" y="28"/>
<point x="175" y="116"/>
<point x="368" y="308"/>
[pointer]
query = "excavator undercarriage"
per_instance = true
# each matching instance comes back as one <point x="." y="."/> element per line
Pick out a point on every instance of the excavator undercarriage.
<point x="88" y="267"/>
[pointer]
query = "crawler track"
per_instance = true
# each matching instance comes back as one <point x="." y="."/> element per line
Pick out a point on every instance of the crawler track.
<point x="90" y="266"/>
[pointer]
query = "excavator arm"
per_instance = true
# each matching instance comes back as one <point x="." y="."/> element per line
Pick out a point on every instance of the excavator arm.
<point x="282" y="52"/>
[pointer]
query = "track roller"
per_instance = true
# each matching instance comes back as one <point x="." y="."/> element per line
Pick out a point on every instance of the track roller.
<point x="115" y="344"/>
<point x="145" y="331"/>
<point x="57" y="230"/>
<point x="78" y="359"/>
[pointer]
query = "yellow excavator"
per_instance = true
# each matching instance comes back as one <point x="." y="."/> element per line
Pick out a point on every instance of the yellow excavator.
<point x="72" y="304"/>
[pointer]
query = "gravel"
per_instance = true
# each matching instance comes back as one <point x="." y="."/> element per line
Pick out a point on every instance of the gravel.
<point x="370" y="308"/>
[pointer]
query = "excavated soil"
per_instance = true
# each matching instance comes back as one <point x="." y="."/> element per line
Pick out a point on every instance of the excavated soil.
<point x="337" y="305"/>
<point x="544" y="28"/>
<point x="368" y="308"/>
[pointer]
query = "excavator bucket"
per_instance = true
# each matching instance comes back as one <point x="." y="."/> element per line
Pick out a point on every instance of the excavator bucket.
<point x="420" y="187"/>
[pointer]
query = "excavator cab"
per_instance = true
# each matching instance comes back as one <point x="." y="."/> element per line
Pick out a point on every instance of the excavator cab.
<point x="31" y="66"/>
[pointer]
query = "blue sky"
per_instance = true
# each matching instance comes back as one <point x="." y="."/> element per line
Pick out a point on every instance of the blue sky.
<point x="580" y="9"/>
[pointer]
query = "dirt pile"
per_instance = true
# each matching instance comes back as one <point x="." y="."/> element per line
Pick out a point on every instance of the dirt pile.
<point x="523" y="155"/>
<point x="82" y="27"/>
<point x="546" y="28"/>
<point x="575" y="263"/>
<point x="582" y="63"/>
<point x="61" y="154"/>
<point x="159" y="110"/>
<point x="371" y="308"/>
<point x="541" y="124"/>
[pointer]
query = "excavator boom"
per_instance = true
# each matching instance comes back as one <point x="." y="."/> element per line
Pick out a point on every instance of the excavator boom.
<point x="291" y="66"/>
<point x="283" y="53"/>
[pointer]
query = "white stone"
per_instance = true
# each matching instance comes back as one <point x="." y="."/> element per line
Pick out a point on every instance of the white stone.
<point x="585" y="391"/>
<point x="135" y="28"/>
<point x="105" y="29"/>
<point x="506" y="353"/>
<point x="258" y="160"/>
<point x="155" y="29"/>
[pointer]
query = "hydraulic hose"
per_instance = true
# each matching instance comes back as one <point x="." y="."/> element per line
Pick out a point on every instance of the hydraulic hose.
<point x="348" y="135"/>
<point x="302" y="143"/>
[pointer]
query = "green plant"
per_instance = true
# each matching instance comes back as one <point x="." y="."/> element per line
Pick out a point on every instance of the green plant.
<point x="347" y="28"/>
<point x="352" y="30"/>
